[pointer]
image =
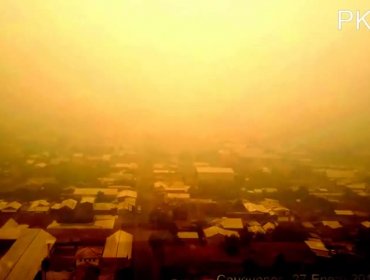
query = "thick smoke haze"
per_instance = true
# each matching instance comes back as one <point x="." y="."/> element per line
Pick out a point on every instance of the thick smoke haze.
<point x="180" y="71"/>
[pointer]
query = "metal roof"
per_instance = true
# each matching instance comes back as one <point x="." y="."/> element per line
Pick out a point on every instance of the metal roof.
<point x="187" y="235"/>
<point x="70" y="203"/>
<point x="127" y="193"/>
<point x="213" y="170"/>
<point x="11" y="206"/>
<point x="232" y="223"/>
<point x="87" y="199"/>
<point x="366" y="224"/>
<point x="39" y="206"/>
<point x="100" y="222"/>
<point x="127" y="204"/>
<point x="332" y="224"/>
<point x="318" y="247"/>
<point x="11" y="230"/>
<point x="307" y="225"/>
<point x="269" y="226"/>
<point x="23" y="259"/>
<point x="104" y="206"/>
<point x="40" y="202"/>
<point x="118" y="245"/>
<point x="253" y="207"/>
<point x="94" y="191"/>
<point x="344" y="212"/>
<point x="178" y="195"/>
<point x="253" y="223"/>
<point x="214" y="230"/>
<point x="256" y="229"/>
<point x="88" y="252"/>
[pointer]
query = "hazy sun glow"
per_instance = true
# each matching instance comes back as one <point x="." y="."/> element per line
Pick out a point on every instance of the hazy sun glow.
<point x="275" y="68"/>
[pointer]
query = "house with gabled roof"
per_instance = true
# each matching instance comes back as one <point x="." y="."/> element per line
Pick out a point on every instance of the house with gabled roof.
<point x="23" y="259"/>
<point x="11" y="207"/>
<point x="11" y="230"/>
<point x="117" y="251"/>
<point x="86" y="256"/>
<point x="39" y="206"/>
<point x="216" y="234"/>
<point x="64" y="211"/>
<point x="317" y="247"/>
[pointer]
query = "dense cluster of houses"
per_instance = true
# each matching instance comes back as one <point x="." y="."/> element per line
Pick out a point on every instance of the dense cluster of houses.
<point x="27" y="249"/>
<point x="189" y="208"/>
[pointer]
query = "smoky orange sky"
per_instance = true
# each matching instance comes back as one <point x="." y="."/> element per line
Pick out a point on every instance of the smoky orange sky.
<point x="257" y="69"/>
